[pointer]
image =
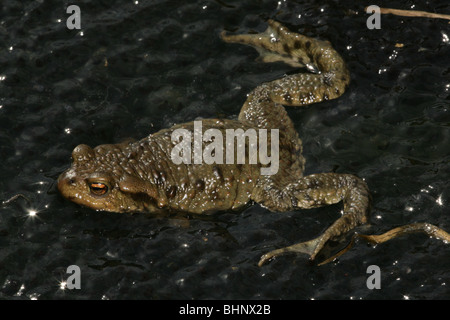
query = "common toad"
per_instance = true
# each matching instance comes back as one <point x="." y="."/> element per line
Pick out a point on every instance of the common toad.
<point x="142" y="176"/>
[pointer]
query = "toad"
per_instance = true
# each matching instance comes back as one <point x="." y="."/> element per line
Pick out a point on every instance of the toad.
<point x="142" y="176"/>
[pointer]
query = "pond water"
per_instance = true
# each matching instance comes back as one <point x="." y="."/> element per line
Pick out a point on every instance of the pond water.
<point x="138" y="66"/>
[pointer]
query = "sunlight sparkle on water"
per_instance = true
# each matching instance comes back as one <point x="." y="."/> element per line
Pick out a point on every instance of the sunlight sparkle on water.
<point x="21" y="290"/>
<point x="32" y="213"/>
<point x="62" y="285"/>
<point x="439" y="200"/>
<point x="34" y="296"/>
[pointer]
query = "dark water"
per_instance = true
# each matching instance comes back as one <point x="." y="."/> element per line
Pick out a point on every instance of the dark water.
<point x="138" y="66"/>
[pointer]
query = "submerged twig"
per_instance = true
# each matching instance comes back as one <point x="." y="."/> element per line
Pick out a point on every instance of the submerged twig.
<point x="424" y="227"/>
<point x="413" y="13"/>
<point x="14" y="198"/>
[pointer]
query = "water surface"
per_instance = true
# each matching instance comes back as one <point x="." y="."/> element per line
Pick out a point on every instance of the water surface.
<point x="138" y="66"/>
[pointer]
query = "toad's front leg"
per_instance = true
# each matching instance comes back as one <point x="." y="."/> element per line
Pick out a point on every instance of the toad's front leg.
<point x="318" y="190"/>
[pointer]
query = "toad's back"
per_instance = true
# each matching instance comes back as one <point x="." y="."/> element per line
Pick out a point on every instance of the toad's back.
<point x="145" y="176"/>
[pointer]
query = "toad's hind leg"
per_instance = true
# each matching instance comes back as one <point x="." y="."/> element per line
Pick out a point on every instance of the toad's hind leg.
<point x="315" y="191"/>
<point x="327" y="79"/>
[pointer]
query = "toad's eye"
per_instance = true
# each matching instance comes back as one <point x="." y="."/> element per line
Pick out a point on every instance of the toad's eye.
<point x="98" y="188"/>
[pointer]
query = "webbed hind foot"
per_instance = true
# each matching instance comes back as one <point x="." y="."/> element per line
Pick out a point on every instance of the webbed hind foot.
<point x="311" y="248"/>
